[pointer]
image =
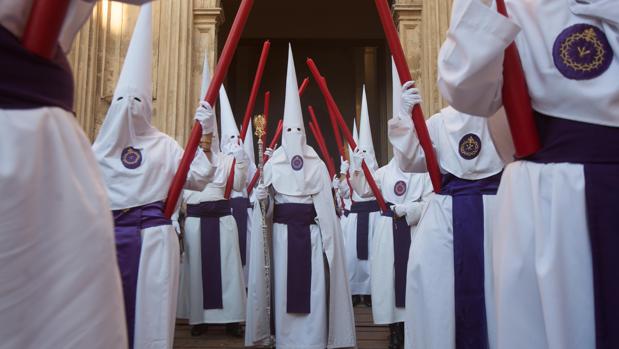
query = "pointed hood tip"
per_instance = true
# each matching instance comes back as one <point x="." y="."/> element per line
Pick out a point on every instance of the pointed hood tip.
<point x="229" y="129"/>
<point x="293" y="115"/>
<point x="365" y="132"/>
<point x="136" y="73"/>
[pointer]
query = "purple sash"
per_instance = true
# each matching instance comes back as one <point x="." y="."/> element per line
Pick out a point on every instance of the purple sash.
<point x="468" y="246"/>
<point x="209" y="213"/>
<point x="128" y="225"/>
<point x="401" y="246"/>
<point x="298" y="218"/>
<point x="363" y="210"/>
<point x="239" y="212"/>
<point x="28" y="81"/>
<point x="597" y="148"/>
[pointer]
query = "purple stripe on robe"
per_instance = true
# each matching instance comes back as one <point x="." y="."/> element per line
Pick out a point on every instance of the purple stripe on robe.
<point x="209" y="213"/>
<point x="28" y="81"/>
<point x="468" y="246"/>
<point x="298" y="219"/>
<point x="401" y="246"/>
<point x="239" y="212"/>
<point x="363" y="210"/>
<point x="128" y="225"/>
<point x="597" y="148"/>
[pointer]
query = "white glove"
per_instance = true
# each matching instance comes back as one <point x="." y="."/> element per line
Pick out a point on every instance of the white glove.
<point x="408" y="98"/>
<point x="177" y="226"/>
<point x="268" y="152"/>
<point x="357" y="158"/>
<point x="261" y="192"/>
<point x="239" y="153"/>
<point x="344" y="165"/>
<point x="399" y="210"/>
<point x="205" y="116"/>
<point x="335" y="183"/>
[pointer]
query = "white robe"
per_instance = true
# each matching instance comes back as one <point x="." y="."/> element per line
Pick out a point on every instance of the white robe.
<point x="233" y="284"/>
<point x="331" y="322"/>
<point x="418" y="187"/>
<point x="59" y="281"/>
<point x="430" y="318"/>
<point x="58" y="271"/>
<point x="541" y="250"/>
<point x="358" y="269"/>
<point x="128" y="124"/>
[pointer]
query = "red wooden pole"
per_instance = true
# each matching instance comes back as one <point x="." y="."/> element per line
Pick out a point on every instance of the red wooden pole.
<point x="336" y="131"/>
<point x="254" y="88"/>
<point x="303" y="86"/>
<point x="397" y="52"/>
<point x="211" y="97"/>
<point x="44" y="25"/>
<point x="517" y="101"/>
<point x="322" y="84"/>
<point x="323" y="149"/>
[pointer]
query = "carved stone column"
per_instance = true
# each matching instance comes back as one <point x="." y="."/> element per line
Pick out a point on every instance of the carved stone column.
<point x="181" y="32"/>
<point x="435" y="21"/>
<point x="207" y="16"/>
<point x="422" y="25"/>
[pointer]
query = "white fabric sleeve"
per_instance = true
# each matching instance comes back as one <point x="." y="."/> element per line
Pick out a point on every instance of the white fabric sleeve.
<point x="407" y="151"/>
<point x="415" y="209"/>
<point x="470" y="62"/>
<point x="240" y="176"/>
<point x="200" y="172"/>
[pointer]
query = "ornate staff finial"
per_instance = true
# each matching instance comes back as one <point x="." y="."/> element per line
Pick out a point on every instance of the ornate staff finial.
<point x="259" y="125"/>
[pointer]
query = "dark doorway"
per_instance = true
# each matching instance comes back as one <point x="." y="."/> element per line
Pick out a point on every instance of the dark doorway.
<point x="345" y="40"/>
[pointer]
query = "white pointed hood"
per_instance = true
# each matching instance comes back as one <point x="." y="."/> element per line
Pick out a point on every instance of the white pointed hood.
<point x="365" y="134"/>
<point x="294" y="159"/>
<point x="229" y="130"/>
<point x="136" y="160"/>
<point x="206" y="81"/>
<point x="249" y="144"/>
<point x="294" y="139"/>
<point x="136" y="75"/>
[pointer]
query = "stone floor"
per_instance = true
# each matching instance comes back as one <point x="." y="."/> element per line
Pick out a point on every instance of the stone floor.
<point x="369" y="336"/>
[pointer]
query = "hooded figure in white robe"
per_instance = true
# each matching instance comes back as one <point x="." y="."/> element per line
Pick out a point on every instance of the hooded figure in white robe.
<point x="59" y="281"/>
<point x="449" y="293"/>
<point x="138" y="163"/>
<point x="213" y="269"/>
<point x="555" y="247"/>
<point x="312" y="308"/>
<point x="405" y="194"/>
<point x="361" y="220"/>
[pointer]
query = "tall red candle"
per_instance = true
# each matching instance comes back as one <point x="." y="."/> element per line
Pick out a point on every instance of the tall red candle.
<point x="397" y="52"/>
<point x="211" y="97"/>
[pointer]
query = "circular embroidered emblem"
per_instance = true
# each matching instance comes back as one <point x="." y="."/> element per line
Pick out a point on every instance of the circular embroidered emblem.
<point x="582" y="52"/>
<point x="131" y="158"/>
<point x="399" y="188"/>
<point x="296" y="162"/>
<point x="470" y="146"/>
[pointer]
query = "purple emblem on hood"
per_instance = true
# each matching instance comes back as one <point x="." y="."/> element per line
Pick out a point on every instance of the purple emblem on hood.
<point x="582" y="52"/>
<point x="296" y="162"/>
<point x="131" y="158"/>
